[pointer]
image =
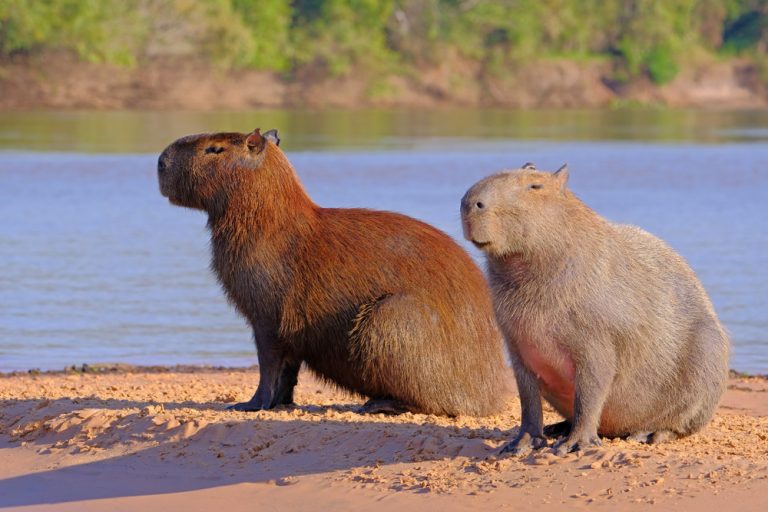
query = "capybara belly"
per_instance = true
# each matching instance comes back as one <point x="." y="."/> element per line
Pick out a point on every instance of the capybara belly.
<point x="555" y="373"/>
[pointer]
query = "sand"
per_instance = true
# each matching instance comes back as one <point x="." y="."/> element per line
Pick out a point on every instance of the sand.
<point x="162" y="440"/>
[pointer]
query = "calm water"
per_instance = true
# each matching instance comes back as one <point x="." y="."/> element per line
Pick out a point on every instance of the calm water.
<point x="98" y="267"/>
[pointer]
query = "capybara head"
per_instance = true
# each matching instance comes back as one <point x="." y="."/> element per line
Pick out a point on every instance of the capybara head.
<point x="512" y="211"/>
<point x="195" y="171"/>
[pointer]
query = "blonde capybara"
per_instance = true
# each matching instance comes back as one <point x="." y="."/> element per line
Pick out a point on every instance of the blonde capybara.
<point x="604" y="321"/>
<point x="377" y="303"/>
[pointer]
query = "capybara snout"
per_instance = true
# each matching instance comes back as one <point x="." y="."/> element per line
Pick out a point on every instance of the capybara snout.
<point x="478" y="220"/>
<point x="173" y="172"/>
<point x="162" y="164"/>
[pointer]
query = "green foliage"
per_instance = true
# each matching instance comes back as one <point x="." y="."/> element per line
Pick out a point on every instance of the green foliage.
<point x="339" y="34"/>
<point x="334" y="37"/>
<point x="24" y="26"/>
<point x="96" y="30"/>
<point x="653" y="34"/>
<point x="215" y="28"/>
<point x="661" y="64"/>
<point x="268" y="23"/>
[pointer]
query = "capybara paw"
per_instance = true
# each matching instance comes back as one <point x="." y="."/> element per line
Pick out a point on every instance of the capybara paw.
<point x="523" y="444"/>
<point x="557" y="430"/>
<point x="640" y="437"/>
<point x="660" y="436"/>
<point x="383" y="406"/>
<point x="576" y="443"/>
<point x="247" y="407"/>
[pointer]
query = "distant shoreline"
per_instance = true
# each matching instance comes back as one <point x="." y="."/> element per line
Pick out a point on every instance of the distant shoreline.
<point x="59" y="81"/>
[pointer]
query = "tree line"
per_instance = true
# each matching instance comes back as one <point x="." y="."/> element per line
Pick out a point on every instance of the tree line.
<point x="652" y="38"/>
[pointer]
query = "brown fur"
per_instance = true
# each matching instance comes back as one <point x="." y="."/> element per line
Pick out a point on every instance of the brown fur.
<point x="376" y="302"/>
<point x="605" y="321"/>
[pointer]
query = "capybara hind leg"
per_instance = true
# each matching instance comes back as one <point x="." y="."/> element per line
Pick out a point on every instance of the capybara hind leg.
<point x="424" y="355"/>
<point x="559" y="429"/>
<point x="531" y="435"/>
<point x="383" y="406"/>
<point x="376" y="333"/>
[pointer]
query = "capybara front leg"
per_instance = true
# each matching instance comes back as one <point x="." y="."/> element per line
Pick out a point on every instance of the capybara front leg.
<point x="289" y="377"/>
<point x="593" y="380"/>
<point x="271" y="364"/>
<point x="531" y="435"/>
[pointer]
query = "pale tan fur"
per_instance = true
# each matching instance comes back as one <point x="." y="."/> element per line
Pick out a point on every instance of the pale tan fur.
<point x="608" y="308"/>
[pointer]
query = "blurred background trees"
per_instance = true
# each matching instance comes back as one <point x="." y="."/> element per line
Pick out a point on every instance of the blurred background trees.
<point x="642" y="38"/>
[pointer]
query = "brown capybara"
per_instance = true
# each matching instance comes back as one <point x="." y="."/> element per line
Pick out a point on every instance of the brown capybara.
<point x="375" y="302"/>
<point x="603" y="320"/>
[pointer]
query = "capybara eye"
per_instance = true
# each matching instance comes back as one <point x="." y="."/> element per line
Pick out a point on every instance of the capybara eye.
<point x="214" y="149"/>
<point x="479" y="205"/>
<point x="535" y="186"/>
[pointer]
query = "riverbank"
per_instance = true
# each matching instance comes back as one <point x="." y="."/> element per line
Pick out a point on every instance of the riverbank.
<point x="60" y="81"/>
<point x="110" y="438"/>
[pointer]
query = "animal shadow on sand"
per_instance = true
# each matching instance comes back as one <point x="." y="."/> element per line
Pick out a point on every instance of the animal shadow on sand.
<point x="185" y="446"/>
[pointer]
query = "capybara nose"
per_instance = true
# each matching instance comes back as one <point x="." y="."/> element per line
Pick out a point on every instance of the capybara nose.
<point x="161" y="165"/>
<point x="466" y="203"/>
<point x="472" y="204"/>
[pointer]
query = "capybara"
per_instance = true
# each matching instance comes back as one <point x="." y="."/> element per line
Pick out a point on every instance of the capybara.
<point x="603" y="320"/>
<point x="375" y="302"/>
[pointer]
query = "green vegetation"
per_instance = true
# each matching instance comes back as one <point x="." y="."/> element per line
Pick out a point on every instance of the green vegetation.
<point x="642" y="37"/>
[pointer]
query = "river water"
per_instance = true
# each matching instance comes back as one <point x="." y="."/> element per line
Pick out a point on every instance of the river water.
<point x="97" y="267"/>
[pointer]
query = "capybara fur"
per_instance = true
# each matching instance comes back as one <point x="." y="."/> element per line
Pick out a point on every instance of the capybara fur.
<point x="605" y="321"/>
<point x="375" y="302"/>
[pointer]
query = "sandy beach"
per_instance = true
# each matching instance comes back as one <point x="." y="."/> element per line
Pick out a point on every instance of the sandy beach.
<point x="161" y="439"/>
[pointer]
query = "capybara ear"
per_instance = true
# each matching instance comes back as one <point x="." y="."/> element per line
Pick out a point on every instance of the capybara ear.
<point x="529" y="166"/>
<point x="272" y="136"/>
<point x="255" y="141"/>
<point x="562" y="176"/>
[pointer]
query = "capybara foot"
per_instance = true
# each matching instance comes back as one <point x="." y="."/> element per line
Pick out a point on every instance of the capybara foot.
<point x="523" y="444"/>
<point x="556" y="430"/>
<point x="660" y="436"/>
<point x="640" y="437"/>
<point x="248" y="406"/>
<point x="383" y="406"/>
<point x="576" y="443"/>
